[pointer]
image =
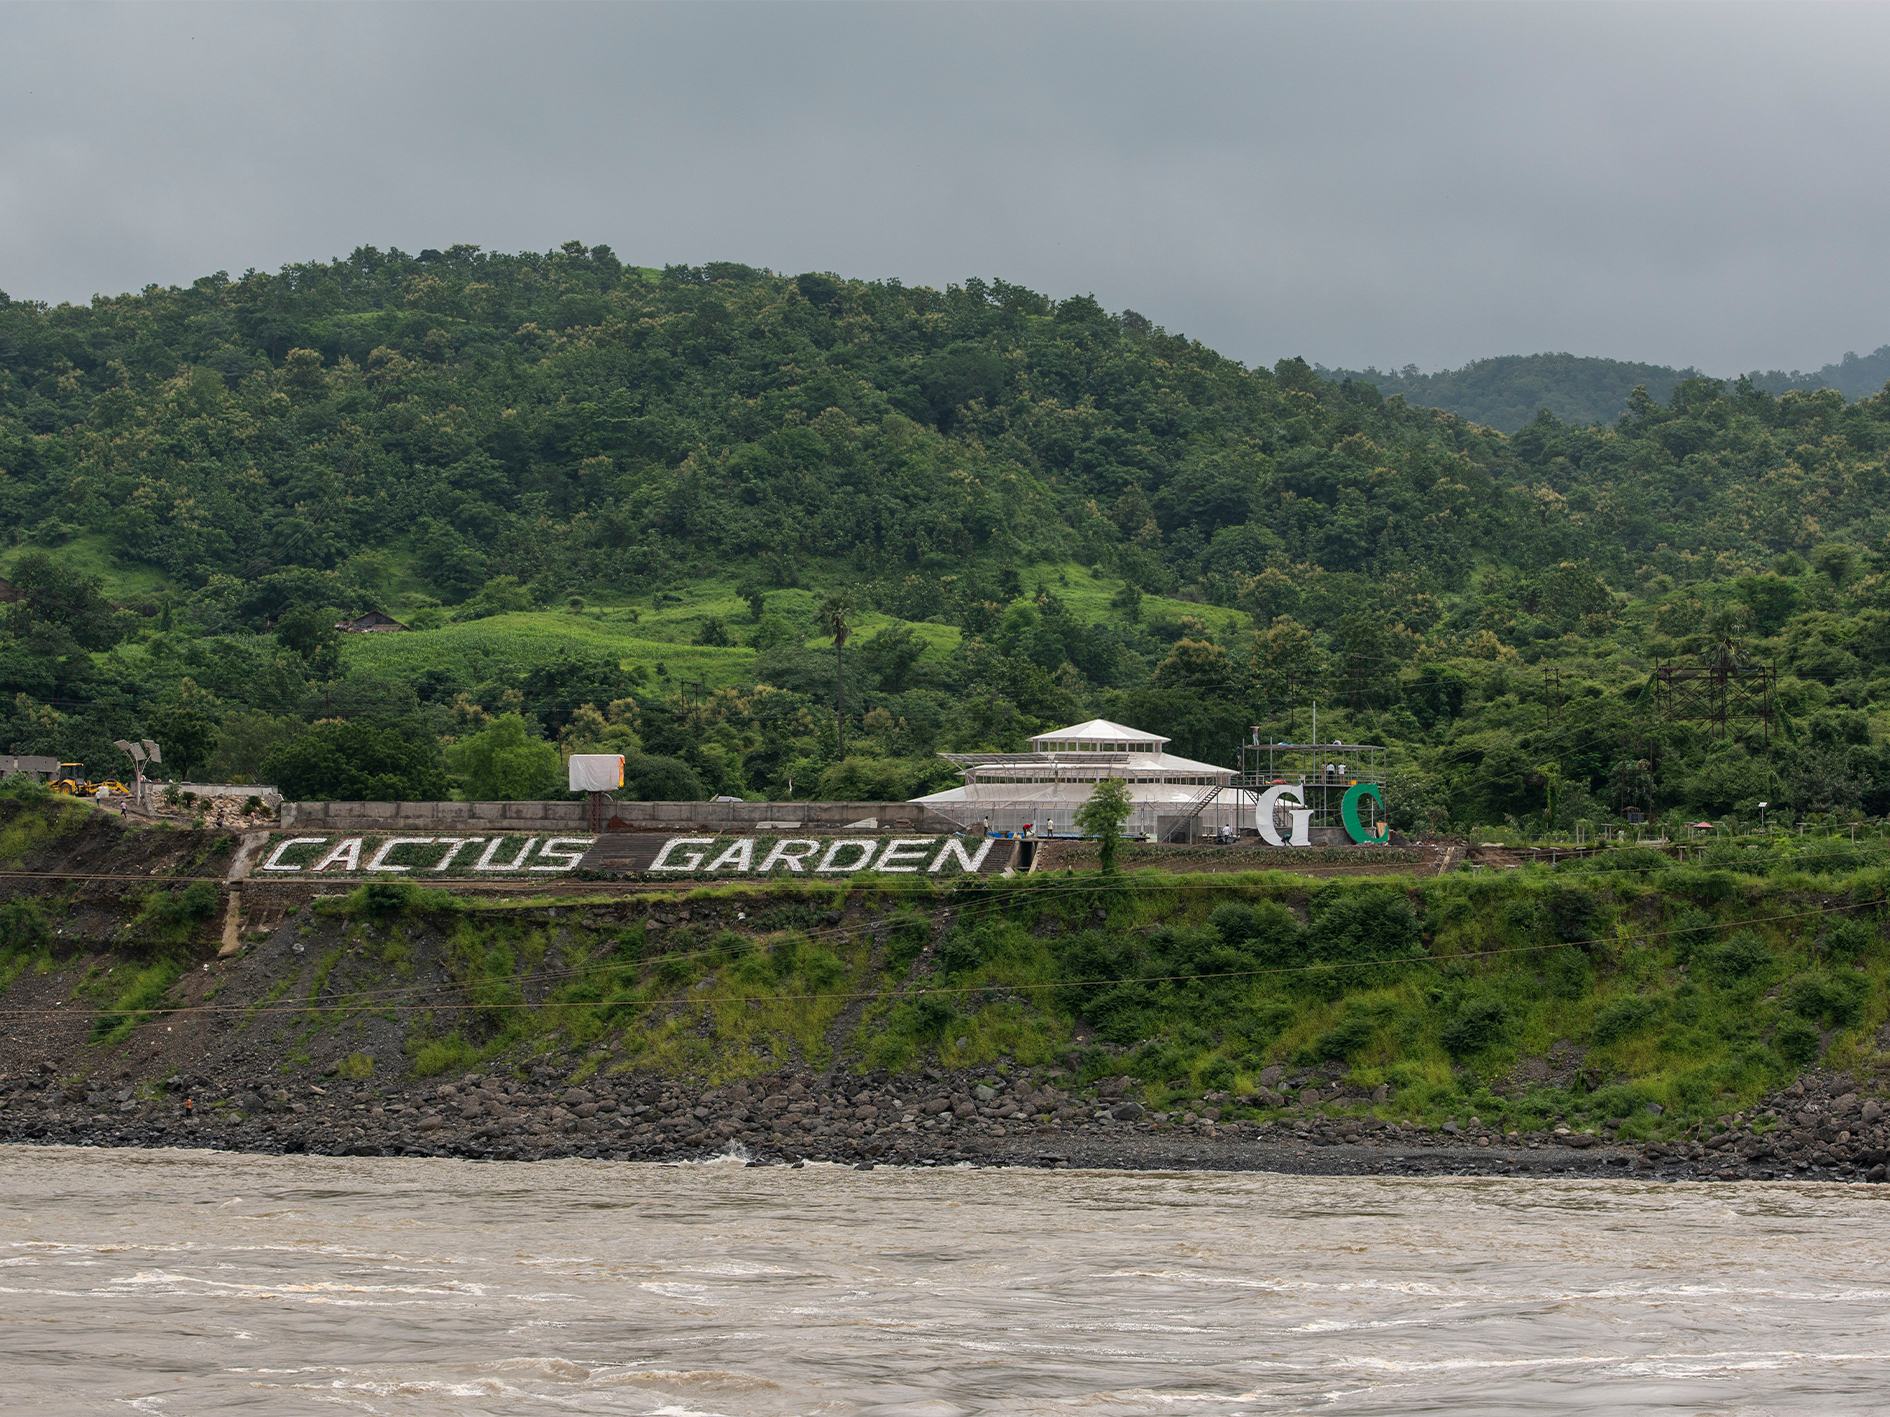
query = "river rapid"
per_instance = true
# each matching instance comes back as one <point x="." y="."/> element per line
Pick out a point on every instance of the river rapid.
<point x="193" y="1282"/>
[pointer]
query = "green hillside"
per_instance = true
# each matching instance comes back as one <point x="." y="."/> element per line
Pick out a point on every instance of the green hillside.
<point x="1508" y="391"/>
<point x="620" y="507"/>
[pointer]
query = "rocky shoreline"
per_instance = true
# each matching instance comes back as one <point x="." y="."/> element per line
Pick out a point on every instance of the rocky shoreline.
<point x="1819" y="1129"/>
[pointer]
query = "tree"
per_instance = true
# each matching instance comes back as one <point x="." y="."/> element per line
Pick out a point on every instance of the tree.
<point x="333" y="761"/>
<point x="504" y="763"/>
<point x="187" y="729"/>
<point x="714" y="633"/>
<point x="651" y="778"/>
<point x="1196" y="664"/>
<point x="837" y="614"/>
<point x="309" y="631"/>
<point x="890" y="657"/>
<point x="1103" y="814"/>
<point x="58" y="595"/>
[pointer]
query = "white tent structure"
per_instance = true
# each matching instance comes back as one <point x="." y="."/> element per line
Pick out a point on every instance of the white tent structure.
<point x="1004" y="792"/>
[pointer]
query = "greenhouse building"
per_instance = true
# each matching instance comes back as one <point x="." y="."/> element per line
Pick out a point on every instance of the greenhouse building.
<point x="1041" y="790"/>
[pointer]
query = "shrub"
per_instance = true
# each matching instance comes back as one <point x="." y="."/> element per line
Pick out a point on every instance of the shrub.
<point x="432" y="1056"/>
<point x="1797" y="1042"/>
<point x="1372" y="924"/>
<point x="967" y="947"/>
<point x="1629" y="858"/>
<point x="386" y="897"/>
<point x="356" y="1067"/>
<point x="1267" y="931"/>
<point x="1477" y="1024"/>
<point x="22" y="927"/>
<point x="1850" y="939"/>
<point x="1567" y="973"/>
<point x="1348" y="1036"/>
<point x="1693" y="929"/>
<point x="1836" y="1000"/>
<point x="1571" y="911"/>
<point x="1623" y="1018"/>
<point x="1707" y="886"/>
<point x="1736" y="958"/>
<point x="1618" y="1101"/>
<point x="172" y="915"/>
<point x="23" y="787"/>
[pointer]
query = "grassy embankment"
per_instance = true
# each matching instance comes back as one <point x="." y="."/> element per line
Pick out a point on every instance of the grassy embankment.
<point x="1694" y="990"/>
<point x="1584" y="992"/>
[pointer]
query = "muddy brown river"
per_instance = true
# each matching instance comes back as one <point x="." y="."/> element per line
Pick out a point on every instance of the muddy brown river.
<point x="190" y="1282"/>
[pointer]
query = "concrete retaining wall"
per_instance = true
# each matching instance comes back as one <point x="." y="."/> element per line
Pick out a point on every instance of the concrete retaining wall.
<point x="260" y="792"/>
<point x="720" y="817"/>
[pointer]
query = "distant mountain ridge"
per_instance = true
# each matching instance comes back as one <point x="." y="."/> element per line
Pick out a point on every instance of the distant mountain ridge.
<point x="1508" y="390"/>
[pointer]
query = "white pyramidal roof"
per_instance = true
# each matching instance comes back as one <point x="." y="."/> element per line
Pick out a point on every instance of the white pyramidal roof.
<point x="1099" y="730"/>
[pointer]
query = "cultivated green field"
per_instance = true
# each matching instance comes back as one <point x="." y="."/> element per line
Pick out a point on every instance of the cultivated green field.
<point x="659" y="628"/>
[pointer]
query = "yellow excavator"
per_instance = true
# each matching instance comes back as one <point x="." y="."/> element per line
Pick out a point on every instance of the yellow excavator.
<point x="72" y="782"/>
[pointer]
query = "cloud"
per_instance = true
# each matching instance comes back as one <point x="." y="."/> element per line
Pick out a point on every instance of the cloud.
<point x="1356" y="183"/>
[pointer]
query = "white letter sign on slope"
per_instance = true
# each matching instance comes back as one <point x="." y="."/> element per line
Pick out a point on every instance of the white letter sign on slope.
<point x="690" y="861"/>
<point x="1263" y="817"/>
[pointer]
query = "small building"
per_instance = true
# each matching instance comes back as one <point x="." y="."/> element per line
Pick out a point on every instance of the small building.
<point x="372" y="623"/>
<point x="1004" y="792"/>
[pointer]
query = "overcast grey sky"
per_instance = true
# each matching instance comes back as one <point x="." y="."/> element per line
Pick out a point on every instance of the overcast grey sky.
<point x="1699" y="184"/>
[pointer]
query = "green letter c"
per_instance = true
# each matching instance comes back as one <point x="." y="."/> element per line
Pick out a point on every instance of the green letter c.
<point x="1348" y="813"/>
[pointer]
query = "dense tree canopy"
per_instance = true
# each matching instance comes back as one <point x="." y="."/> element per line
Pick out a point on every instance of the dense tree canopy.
<point x="1044" y="510"/>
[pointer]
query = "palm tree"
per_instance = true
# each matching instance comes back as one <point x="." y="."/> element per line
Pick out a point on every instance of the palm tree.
<point x="837" y="613"/>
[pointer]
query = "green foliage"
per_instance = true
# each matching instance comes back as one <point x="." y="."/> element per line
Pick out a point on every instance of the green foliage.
<point x="377" y="898"/>
<point x="1693" y="931"/>
<point x="1342" y="1040"/>
<point x="1623" y="1018"/>
<point x="651" y="778"/>
<point x="1476" y="1025"/>
<point x="356" y="761"/>
<point x="1850" y="939"/>
<point x="138" y="998"/>
<point x="445" y="1054"/>
<point x="23" y="928"/>
<point x="1736" y="959"/>
<point x="505" y="763"/>
<point x="1103" y="814"/>
<point x="1798" y="1042"/>
<point x="1836" y="1000"/>
<point x="170" y="917"/>
<point x="1036" y="511"/>
<point x="1375" y="930"/>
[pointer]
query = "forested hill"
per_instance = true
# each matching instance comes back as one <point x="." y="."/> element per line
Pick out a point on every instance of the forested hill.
<point x="576" y="476"/>
<point x="1510" y="390"/>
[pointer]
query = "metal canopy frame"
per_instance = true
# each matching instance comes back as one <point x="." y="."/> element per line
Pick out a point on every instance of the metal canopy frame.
<point x="1323" y="772"/>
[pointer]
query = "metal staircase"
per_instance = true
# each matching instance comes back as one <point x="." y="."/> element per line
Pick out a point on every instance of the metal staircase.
<point x="1184" y="829"/>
